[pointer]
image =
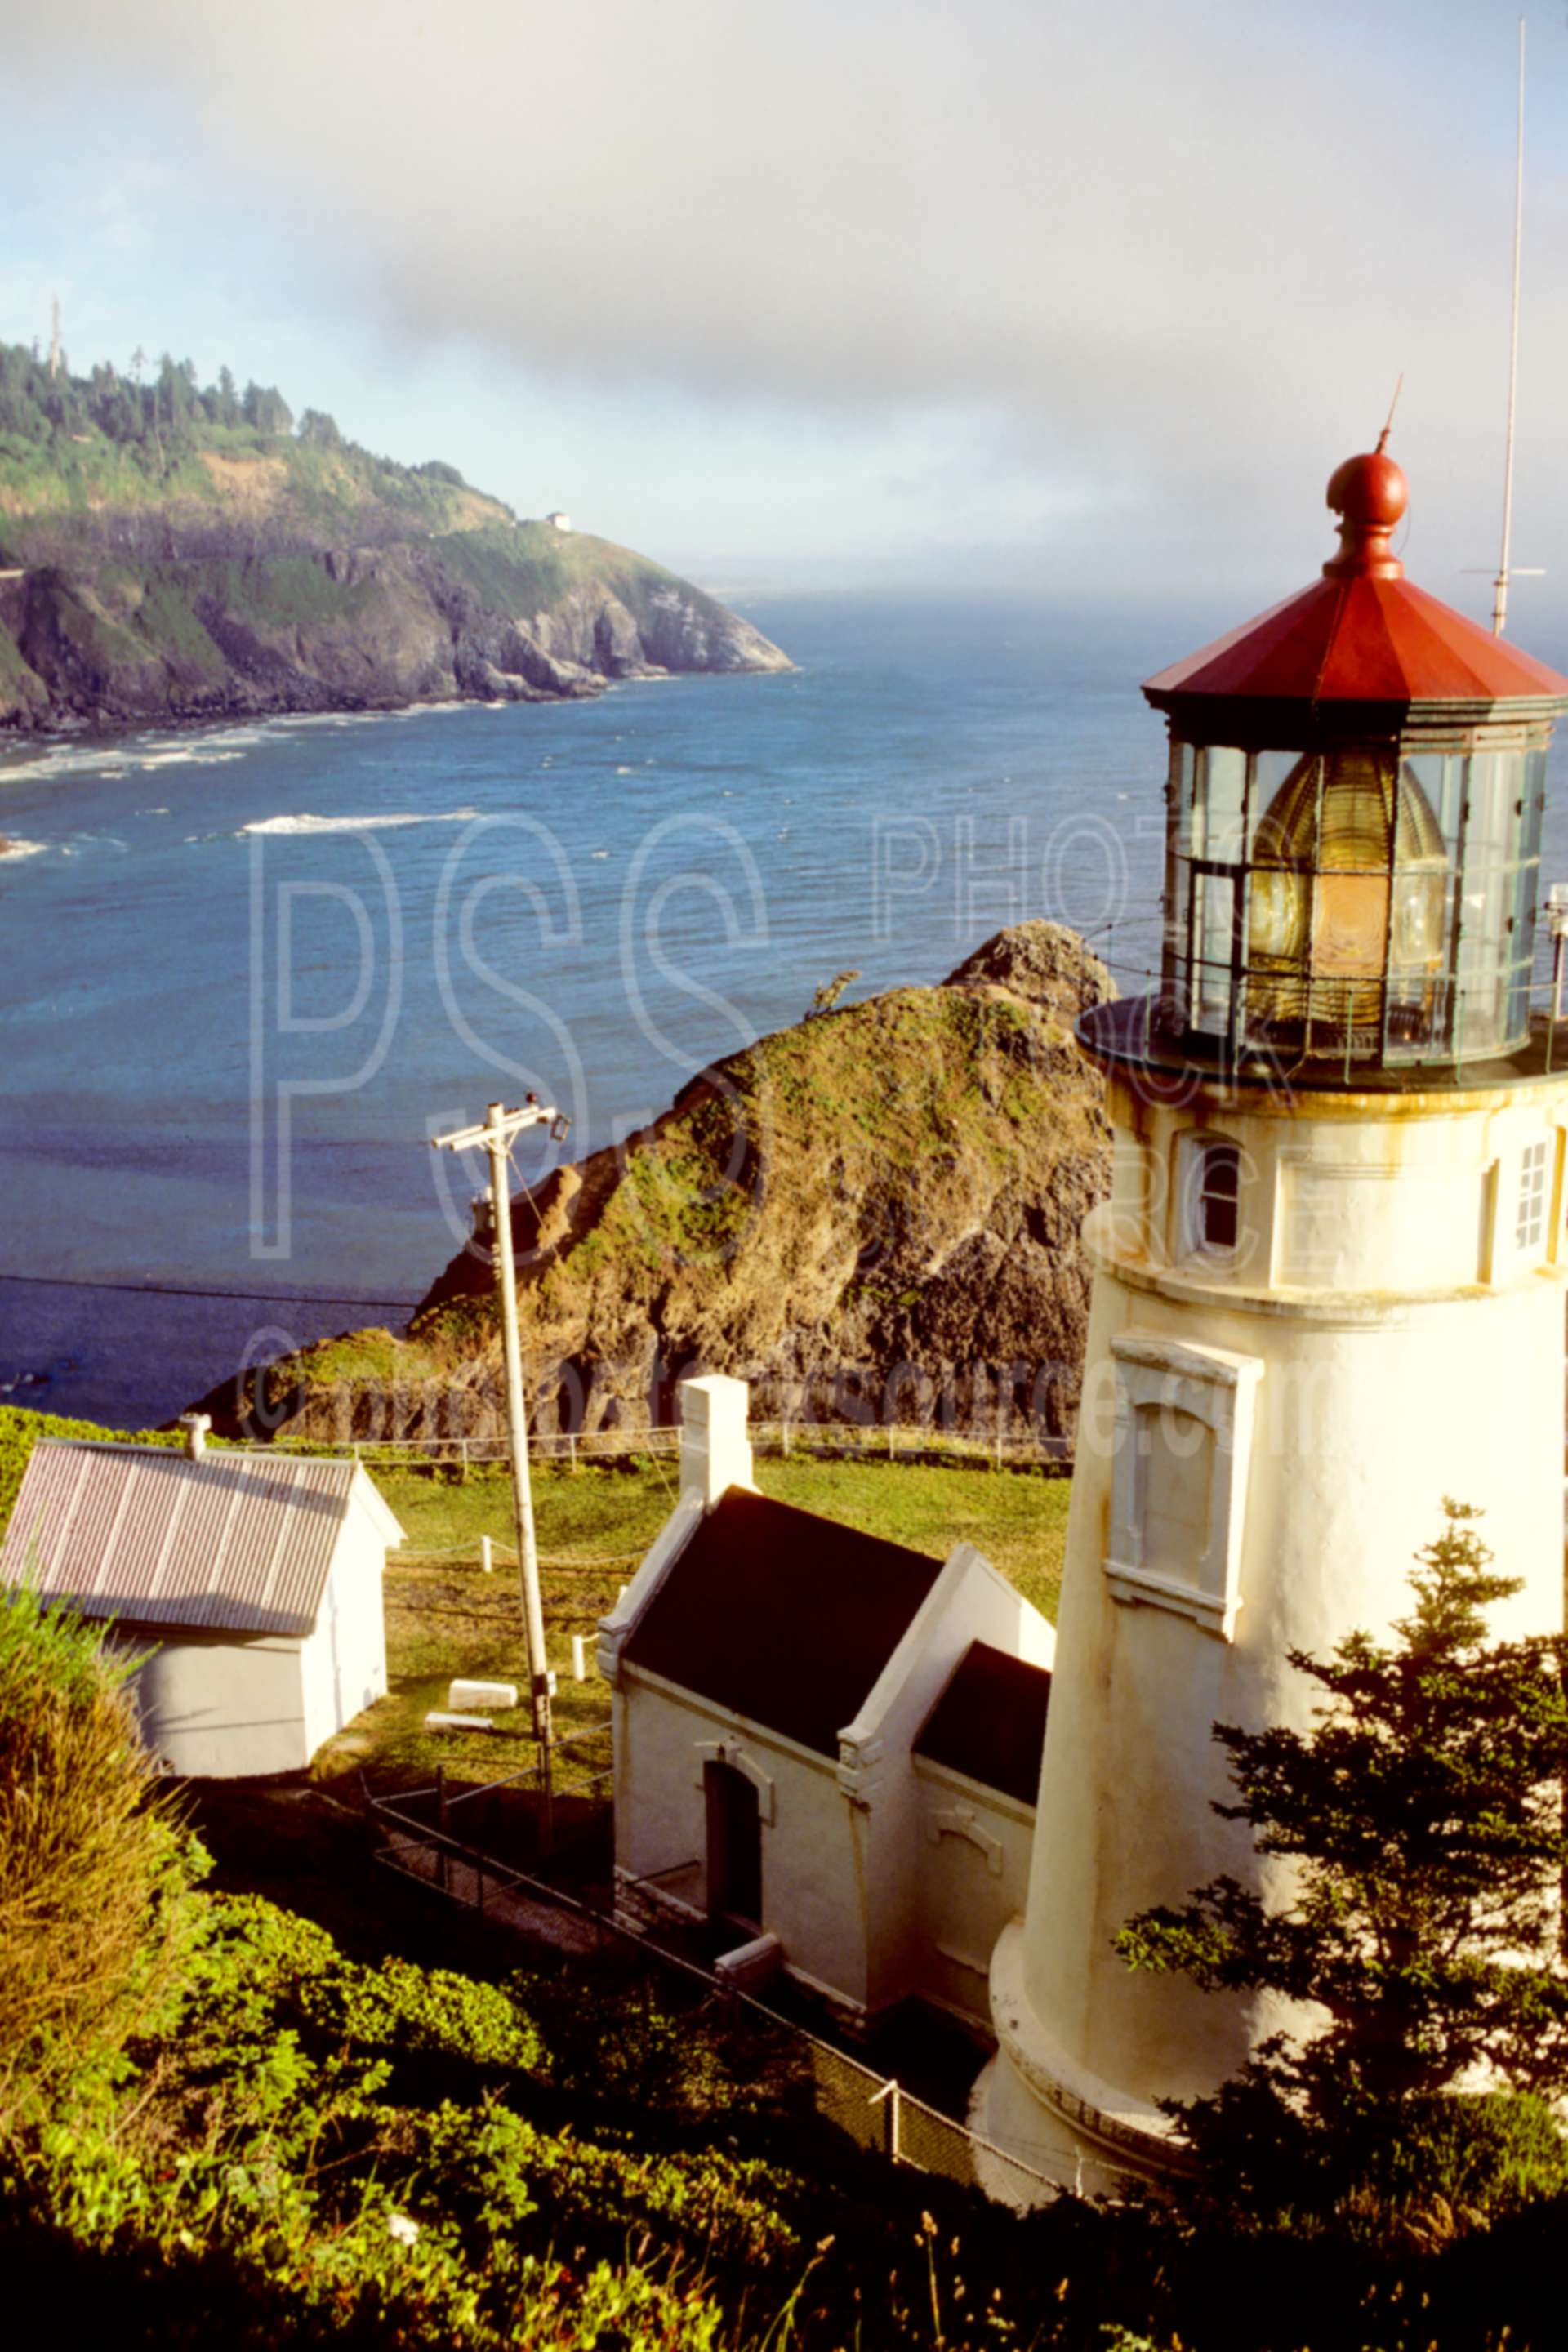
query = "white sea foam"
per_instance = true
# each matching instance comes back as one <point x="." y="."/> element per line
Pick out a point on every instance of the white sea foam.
<point x="306" y="823"/>
<point x="62" y="760"/>
<point x="140" y="752"/>
<point x="626" y="771"/>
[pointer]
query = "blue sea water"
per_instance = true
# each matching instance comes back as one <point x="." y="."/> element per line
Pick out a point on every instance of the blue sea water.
<point x="245" y="971"/>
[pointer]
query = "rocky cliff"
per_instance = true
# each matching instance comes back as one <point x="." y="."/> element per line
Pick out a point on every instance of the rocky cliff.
<point x="872" y="1215"/>
<point x="252" y="571"/>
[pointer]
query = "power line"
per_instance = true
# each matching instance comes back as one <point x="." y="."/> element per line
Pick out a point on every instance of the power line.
<point x="182" y="1290"/>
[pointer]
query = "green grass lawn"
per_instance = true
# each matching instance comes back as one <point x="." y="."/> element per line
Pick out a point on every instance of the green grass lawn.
<point x="445" y="1618"/>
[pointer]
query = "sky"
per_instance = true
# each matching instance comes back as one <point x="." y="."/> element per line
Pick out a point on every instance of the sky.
<point x="1085" y="298"/>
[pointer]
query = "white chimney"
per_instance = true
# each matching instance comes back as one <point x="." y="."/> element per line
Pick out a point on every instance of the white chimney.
<point x="195" y="1426"/>
<point x="715" y="1451"/>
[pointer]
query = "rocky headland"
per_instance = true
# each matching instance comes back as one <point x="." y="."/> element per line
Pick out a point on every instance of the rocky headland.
<point x="872" y="1216"/>
<point x="172" y="554"/>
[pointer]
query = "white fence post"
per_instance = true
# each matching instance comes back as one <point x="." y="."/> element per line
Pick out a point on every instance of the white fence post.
<point x="485" y="1560"/>
<point x="579" y="1659"/>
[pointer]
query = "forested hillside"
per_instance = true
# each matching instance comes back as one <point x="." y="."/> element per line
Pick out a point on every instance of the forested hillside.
<point x="170" y="550"/>
<point x="136" y="462"/>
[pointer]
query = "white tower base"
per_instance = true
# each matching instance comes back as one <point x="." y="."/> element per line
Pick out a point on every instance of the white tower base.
<point x="1267" y="1435"/>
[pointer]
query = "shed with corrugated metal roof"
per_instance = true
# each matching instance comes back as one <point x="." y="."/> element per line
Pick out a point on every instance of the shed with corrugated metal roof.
<point x="249" y="1584"/>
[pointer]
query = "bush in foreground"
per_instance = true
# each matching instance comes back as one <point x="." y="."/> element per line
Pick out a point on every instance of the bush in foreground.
<point x="1422" y="1815"/>
<point x="94" y="1873"/>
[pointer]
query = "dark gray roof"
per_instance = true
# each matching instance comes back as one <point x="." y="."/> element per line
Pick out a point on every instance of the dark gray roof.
<point x="780" y="1616"/>
<point x="990" y="1722"/>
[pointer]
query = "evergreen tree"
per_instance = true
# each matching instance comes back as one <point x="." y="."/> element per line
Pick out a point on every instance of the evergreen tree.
<point x="1422" y="1819"/>
<point x="266" y="410"/>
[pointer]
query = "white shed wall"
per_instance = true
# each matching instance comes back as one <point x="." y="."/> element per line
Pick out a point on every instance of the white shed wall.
<point x="216" y="1707"/>
<point x="345" y="1656"/>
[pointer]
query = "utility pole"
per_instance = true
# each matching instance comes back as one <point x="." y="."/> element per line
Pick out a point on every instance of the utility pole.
<point x="496" y="1133"/>
<point x="55" y="341"/>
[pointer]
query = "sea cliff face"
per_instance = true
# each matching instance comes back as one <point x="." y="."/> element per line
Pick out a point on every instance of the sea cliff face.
<point x="873" y="1215"/>
<point x="158" y="562"/>
<point x="514" y="611"/>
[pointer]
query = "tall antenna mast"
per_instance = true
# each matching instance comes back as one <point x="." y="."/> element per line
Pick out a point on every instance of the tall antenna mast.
<point x="1500" y="600"/>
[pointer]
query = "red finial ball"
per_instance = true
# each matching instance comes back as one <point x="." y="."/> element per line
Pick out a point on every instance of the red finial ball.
<point x="1369" y="489"/>
<point x="1369" y="494"/>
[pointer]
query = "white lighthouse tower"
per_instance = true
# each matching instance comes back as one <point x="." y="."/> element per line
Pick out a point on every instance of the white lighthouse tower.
<point x="1328" y="1288"/>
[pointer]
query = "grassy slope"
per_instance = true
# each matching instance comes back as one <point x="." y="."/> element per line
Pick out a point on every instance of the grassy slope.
<point x="258" y="477"/>
<point x="444" y="1617"/>
<point x="531" y="567"/>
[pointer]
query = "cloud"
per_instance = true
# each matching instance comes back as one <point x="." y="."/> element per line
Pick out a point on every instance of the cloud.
<point x="1179" y="255"/>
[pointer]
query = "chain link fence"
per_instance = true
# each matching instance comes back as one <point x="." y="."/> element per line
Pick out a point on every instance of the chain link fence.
<point x="872" y="2109"/>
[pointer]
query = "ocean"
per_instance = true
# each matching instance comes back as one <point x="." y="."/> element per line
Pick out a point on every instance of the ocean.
<point x="246" y="972"/>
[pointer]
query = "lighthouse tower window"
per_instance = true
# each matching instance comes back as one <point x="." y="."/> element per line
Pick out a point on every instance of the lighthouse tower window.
<point x="1211" y="1209"/>
<point x="1531" y="1196"/>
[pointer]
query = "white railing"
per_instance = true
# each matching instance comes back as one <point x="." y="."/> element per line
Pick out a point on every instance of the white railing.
<point x="779" y="1440"/>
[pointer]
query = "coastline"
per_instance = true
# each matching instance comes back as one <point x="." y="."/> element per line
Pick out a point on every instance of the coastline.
<point x="21" y="734"/>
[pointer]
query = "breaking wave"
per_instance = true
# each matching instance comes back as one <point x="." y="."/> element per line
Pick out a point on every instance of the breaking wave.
<point x="356" y="824"/>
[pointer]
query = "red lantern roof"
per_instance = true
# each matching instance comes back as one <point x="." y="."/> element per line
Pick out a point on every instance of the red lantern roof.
<point x="1362" y="634"/>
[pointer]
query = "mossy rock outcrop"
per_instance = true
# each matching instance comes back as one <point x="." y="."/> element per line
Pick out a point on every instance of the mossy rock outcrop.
<point x="873" y="1215"/>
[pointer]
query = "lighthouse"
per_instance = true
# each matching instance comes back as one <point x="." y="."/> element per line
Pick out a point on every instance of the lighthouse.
<point x="1327" y="1283"/>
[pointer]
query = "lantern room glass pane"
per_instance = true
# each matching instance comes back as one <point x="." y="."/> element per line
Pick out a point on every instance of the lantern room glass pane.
<point x="1422" y="911"/>
<point x="1179" y="788"/>
<point x="1222" y="802"/>
<point x="1496" y="785"/>
<point x="1485" y="907"/>
<point x="1348" y="858"/>
<point x="1214" y="937"/>
<point x="1271" y="772"/>
<point x="1178" y="911"/>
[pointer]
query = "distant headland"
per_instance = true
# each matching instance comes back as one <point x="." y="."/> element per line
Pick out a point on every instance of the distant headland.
<point x="171" y="552"/>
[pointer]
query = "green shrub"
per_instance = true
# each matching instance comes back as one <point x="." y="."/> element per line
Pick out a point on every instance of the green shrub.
<point x="93" y="1870"/>
<point x="262" y="1969"/>
<point x="1443" y="2166"/>
<point x="20" y="1432"/>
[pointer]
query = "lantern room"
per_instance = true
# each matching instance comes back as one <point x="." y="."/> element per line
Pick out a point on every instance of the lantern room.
<point x="1356" y="786"/>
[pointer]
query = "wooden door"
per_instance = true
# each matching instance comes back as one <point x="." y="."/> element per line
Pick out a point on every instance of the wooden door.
<point x="735" y="1846"/>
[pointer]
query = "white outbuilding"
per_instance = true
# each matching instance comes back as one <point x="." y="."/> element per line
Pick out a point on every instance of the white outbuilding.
<point x="248" y="1585"/>
<point x="827" y="1744"/>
